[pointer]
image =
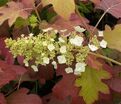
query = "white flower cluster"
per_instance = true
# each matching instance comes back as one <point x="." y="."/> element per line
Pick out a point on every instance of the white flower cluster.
<point x="47" y="48"/>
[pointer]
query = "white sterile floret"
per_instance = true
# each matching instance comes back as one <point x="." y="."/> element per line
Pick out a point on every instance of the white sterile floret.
<point x="44" y="43"/>
<point x="31" y="34"/>
<point x="69" y="70"/>
<point x="64" y="30"/>
<point x="26" y="63"/>
<point x="46" y="60"/>
<point x="100" y="33"/>
<point x="56" y="31"/>
<point x="35" y="68"/>
<point x="103" y="44"/>
<point x="80" y="67"/>
<point x="79" y="29"/>
<point x="77" y="40"/>
<point x="51" y="47"/>
<point x="92" y="47"/>
<point x="54" y="64"/>
<point x="47" y="29"/>
<point x="61" y="59"/>
<point x="61" y="40"/>
<point x="63" y="49"/>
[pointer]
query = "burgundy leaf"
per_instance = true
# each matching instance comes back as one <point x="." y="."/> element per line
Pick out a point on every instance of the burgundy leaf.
<point x="9" y="72"/>
<point x="114" y="7"/>
<point x="21" y="97"/>
<point x="66" y="88"/>
<point x="45" y="73"/>
<point x="5" y="52"/>
<point x="51" y="99"/>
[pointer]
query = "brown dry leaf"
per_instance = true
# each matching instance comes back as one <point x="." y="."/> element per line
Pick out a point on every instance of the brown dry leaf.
<point x="113" y="37"/>
<point x="62" y="7"/>
<point x="11" y="12"/>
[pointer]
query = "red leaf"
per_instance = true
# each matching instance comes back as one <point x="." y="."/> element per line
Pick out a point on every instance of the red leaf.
<point x="45" y="73"/>
<point x="5" y="52"/>
<point x="66" y="88"/>
<point x="9" y="72"/>
<point x="114" y="5"/>
<point x="62" y="24"/>
<point x="2" y="99"/>
<point x="21" y="97"/>
<point x="51" y="99"/>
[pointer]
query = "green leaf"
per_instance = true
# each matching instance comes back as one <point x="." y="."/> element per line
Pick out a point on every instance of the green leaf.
<point x="91" y="84"/>
<point x="21" y="22"/>
<point x="3" y="2"/>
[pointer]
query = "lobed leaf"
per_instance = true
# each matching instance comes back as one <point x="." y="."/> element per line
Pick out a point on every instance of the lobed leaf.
<point x="91" y="84"/>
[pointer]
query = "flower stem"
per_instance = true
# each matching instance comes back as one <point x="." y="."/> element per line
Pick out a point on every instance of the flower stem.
<point x="106" y="58"/>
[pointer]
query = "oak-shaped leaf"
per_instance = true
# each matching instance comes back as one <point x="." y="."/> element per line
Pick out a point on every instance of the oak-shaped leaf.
<point x="91" y="84"/>
<point x="65" y="87"/>
<point x="9" y="72"/>
<point x="111" y="6"/>
<point x="61" y="7"/>
<point x="66" y="26"/>
<point x="11" y="11"/>
<point x="113" y="37"/>
<point x="21" y="97"/>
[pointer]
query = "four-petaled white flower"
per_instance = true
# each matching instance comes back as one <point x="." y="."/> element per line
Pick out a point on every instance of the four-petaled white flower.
<point x="69" y="70"/>
<point x="79" y="29"/>
<point x="61" y="40"/>
<point x="103" y="44"/>
<point x="63" y="49"/>
<point x="51" y="47"/>
<point x="92" y="47"/>
<point x="61" y="59"/>
<point x="100" y="33"/>
<point x="31" y="34"/>
<point x="46" y="60"/>
<point x="80" y="67"/>
<point x="77" y="40"/>
<point x="54" y="64"/>
<point x="26" y="63"/>
<point x="35" y="68"/>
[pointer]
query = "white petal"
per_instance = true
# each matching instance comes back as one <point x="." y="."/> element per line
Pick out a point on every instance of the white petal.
<point x="79" y="29"/>
<point x="103" y="44"/>
<point x="100" y="33"/>
<point x="69" y="70"/>
<point x="54" y="64"/>
<point x="80" y="67"/>
<point x="63" y="30"/>
<point x="31" y="34"/>
<point x="63" y="49"/>
<point x="34" y="67"/>
<point x="51" y="47"/>
<point x="26" y="63"/>
<point x="46" y="60"/>
<point x="77" y="40"/>
<point x="61" y="40"/>
<point x="47" y="29"/>
<point x="92" y="47"/>
<point x="61" y="59"/>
